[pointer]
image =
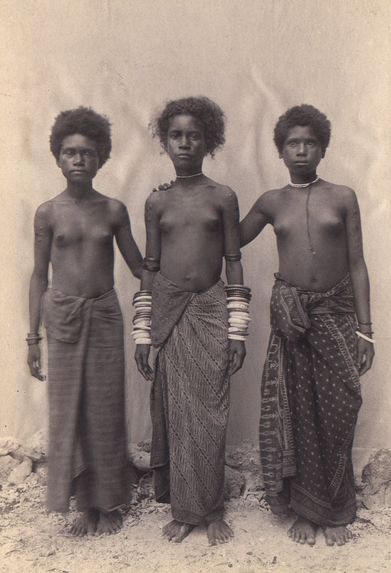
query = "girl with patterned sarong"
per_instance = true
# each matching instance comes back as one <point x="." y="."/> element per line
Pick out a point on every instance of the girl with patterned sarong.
<point x="190" y="227"/>
<point x="88" y="455"/>
<point x="321" y="336"/>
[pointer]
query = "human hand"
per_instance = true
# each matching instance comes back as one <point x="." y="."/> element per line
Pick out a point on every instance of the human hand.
<point x="141" y="356"/>
<point x="34" y="361"/>
<point x="365" y="355"/>
<point x="237" y="354"/>
<point x="163" y="186"/>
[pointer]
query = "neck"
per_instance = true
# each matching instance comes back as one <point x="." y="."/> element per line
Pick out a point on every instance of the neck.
<point x="304" y="181"/>
<point x="79" y="191"/>
<point x="185" y="176"/>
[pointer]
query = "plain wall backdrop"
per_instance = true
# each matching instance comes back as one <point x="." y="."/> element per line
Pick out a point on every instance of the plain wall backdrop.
<point x="256" y="58"/>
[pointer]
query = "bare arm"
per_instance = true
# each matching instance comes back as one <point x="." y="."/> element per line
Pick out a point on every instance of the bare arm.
<point x="39" y="282"/>
<point x="254" y="222"/>
<point x="360" y="280"/>
<point x="126" y="243"/>
<point x="234" y="270"/>
<point x="152" y="251"/>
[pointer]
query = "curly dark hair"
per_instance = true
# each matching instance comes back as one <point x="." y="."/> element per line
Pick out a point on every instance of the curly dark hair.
<point x="206" y="111"/>
<point x="304" y="115"/>
<point x="87" y="122"/>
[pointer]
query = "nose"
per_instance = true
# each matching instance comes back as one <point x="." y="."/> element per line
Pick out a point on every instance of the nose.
<point x="301" y="149"/>
<point x="184" y="142"/>
<point x="78" y="158"/>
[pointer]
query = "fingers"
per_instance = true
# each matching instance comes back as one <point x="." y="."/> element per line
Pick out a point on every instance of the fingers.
<point x="236" y="360"/>
<point x="163" y="186"/>
<point x="365" y="355"/>
<point x="144" y="370"/>
<point x="143" y="365"/>
<point x="232" y="363"/>
<point x="35" y="371"/>
<point x="366" y="363"/>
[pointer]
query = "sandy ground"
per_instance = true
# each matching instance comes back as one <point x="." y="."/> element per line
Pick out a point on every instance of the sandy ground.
<point x="31" y="540"/>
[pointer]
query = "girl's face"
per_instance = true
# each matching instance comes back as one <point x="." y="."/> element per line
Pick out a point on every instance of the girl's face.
<point x="78" y="158"/>
<point x="302" y="151"/>
<point x="186" y="144"/>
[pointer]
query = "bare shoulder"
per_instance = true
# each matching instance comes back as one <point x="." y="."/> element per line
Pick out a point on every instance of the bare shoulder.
<point x="224" y="194"/>
<point x="269" y="201"/>
<point x="44" y="212"/>
<point x="156" y="200"/>
<point x="115" y="206"/>
<point x="343" y="195"/>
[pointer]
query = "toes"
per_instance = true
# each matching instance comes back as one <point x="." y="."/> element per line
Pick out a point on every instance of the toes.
<point x="330" y="540"/>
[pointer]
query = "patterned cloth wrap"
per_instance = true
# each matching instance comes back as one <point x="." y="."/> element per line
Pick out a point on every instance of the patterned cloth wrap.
<point x="87" y="428"/>
<point x="190" y="399"/>
<point x="310" y="401"/>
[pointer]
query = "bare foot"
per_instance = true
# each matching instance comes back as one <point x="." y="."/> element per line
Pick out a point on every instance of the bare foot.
<point x="303" y="531"/>
<point x="176" y="531"/>
<point x="109" y="522"/>
<point x="85" y="524"/>
<point x="219" y="532"/>
<point x="337" y="535"/>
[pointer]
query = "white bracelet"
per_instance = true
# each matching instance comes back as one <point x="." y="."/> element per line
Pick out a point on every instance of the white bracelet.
<point x="361" y="335"/>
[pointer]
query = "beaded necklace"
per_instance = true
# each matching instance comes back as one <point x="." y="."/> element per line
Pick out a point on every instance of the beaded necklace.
<point x="188" y="176"/>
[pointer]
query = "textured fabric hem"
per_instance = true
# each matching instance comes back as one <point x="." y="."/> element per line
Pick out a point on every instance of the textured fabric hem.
<point x="192" y="519"/>
<point x="349" y="515"/>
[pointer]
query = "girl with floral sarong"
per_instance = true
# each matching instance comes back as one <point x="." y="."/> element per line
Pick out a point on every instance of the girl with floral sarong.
<point x="321" y="335"/>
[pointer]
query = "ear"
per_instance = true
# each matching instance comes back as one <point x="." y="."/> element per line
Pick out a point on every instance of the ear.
<point x="58" y="162"/>
<point x="323" y="153"/>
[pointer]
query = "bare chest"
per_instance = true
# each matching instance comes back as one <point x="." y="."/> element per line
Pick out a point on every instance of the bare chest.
<point x="81" y="226"/>
<point x="191" y="215"/>
<point x="294" y="217"/>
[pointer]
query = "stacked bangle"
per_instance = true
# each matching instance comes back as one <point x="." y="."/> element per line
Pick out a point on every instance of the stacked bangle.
<point x="33" y="338"/>
<point x="142" y="302"/>
<point x="238" y="300"/>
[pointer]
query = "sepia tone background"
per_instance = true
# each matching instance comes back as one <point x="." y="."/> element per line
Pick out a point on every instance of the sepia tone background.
<point x="256" y="58"/>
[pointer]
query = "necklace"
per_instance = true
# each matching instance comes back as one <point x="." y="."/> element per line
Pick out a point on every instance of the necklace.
<point x="303" y="185"/>
<point x="307" y="217"/>
<point x="188" y="176"/>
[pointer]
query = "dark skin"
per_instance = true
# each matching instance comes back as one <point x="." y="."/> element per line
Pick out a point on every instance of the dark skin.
<point x="74" y="234"/>
<point x="334" y="235"/>
<point x="190" y="227"/>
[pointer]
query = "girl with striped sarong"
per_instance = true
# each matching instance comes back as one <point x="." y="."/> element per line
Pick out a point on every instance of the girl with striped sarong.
<point x="199" y="339"/>
<point x="74" y="232"/>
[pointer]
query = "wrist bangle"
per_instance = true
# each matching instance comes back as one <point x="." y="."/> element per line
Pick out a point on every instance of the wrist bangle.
<point x="238" y="300"/>
<point x="142" y="302"/>
<point x="364" y="337"/>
